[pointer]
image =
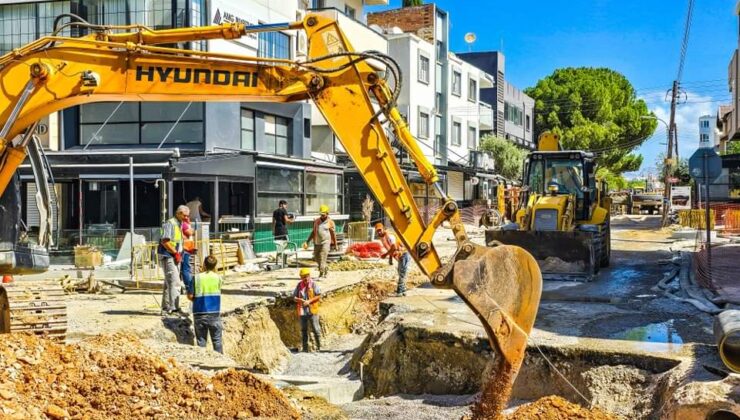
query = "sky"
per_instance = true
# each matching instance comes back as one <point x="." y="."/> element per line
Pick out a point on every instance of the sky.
<point x="640" y="39"/>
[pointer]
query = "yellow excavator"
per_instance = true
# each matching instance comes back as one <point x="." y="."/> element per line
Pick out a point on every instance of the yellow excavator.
<point x="356" y="93"/>
<point x="563" y="215"/>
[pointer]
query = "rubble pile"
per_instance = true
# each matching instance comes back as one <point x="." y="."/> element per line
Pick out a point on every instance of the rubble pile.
<point x="116" y="376"/>
<point x="353" y="265"/>
<point x="556" y="408"/>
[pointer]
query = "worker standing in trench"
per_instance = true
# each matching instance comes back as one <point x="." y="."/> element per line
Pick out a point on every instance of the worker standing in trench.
<point x="205" y="293"/>
<point x="394" y="249"/>
<point x="307" y="295"/>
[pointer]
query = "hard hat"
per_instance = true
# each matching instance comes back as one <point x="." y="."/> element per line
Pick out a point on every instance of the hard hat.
<point x="379" y="226"/>
<point x="324" y="209"/>
<point x="305" y="271"/>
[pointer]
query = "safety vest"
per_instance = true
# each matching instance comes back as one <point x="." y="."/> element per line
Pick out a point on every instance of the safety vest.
<point x="314" y="307"/>
<point x="207" y="293"/>
<point x="178" y="232"/>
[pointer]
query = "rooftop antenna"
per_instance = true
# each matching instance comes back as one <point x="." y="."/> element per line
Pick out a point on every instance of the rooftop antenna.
<point x="470" y="39"/>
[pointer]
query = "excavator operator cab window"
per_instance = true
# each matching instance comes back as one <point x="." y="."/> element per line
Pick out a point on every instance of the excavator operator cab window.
<point x="567" y="174"/>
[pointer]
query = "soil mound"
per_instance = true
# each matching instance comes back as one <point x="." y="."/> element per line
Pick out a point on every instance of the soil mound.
<point x="116" y="376"/>
<point x="556" y="408"/>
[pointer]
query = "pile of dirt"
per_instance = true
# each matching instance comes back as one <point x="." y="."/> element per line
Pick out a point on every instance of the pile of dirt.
<point x="556" y="408"/>
<point x="115" y="376"/>
<point x="353" y="265"/>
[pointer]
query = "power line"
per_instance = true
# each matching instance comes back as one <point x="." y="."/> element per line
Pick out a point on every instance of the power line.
<point x="685" y="41"/>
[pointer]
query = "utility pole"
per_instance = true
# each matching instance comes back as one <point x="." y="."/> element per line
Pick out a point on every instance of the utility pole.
<point x="668" y="164"/>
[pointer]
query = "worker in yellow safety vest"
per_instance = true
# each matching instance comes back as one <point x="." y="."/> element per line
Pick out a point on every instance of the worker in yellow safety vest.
<point x="169" y="252"/>
<point x="307" y="295"/>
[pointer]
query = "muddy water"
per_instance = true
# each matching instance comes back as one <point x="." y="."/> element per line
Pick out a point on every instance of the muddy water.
<point x="661" y="332"/>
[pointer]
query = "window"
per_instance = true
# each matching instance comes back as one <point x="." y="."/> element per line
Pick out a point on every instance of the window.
<point x="705" y="124"/>
<point x="456" y="133"/>
<point x="349" y="11"/>
<point x="274" y="184"/>
<point x="318" y="4"/>
<point x="528" y="126"/>
<point x="276" y="136"/>
<point x="438" y="139"/>
<point x="423" y="69"/>
<point x="513" y="114"/>
<point x="423" y="131"/>
<point x="124" y="123"/>
<point x="705" y="137"/>
<point x="273" y="45"/>
<point x="321" y="189"/>
<point x="472" y="138"/>
<point x="456" y="83"/>
<point x="440" y="51"/>
<point x="438" y="103"/>
<point x="247" y="129"/>
<point x="472" y="90"/>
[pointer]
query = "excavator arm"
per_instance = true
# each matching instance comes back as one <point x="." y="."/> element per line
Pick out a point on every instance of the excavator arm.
<point x="355" y="92"/>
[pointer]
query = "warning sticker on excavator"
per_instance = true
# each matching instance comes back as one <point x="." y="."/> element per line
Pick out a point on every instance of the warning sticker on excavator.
<point x="333" y="42"/>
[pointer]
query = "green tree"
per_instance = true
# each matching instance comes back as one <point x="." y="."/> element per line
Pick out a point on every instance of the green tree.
<point x="594" y="109"/>
<point x="680" y="171"/>
<point x="614" y="181"/>
<point x="508" y="158"/>
<point x="409" y="3"/>
<point x="733" y="147"/>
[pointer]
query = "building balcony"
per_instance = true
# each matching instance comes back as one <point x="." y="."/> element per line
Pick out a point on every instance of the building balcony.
<point x="375" y="2"/>
<point x="485" y="116"/>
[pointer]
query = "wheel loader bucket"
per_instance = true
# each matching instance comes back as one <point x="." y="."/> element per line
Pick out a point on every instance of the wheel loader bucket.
<point x="502" y="286"/>
<point x="560" y="255"/>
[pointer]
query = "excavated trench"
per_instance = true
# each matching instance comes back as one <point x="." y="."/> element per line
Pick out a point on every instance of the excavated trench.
<point x="401" y="356"/>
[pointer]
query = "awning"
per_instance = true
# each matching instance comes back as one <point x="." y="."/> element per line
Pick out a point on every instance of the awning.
<point x="74" y="164"/>
<point x="228" y="164"/>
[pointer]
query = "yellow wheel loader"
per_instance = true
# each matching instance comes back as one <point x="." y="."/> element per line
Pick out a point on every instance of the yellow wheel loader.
<point x="356" y="93"/>
<point x="563" y="217"/>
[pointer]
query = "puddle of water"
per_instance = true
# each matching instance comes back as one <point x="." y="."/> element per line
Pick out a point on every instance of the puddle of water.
<point x="662" y="332"/>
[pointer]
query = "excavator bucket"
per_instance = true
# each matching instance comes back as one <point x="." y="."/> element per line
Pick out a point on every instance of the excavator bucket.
<point x="502" y="285"/>
<point x="560" y="255"/>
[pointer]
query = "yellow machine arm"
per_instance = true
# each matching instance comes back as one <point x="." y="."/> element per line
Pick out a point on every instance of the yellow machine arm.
<point x="54" y="72"/>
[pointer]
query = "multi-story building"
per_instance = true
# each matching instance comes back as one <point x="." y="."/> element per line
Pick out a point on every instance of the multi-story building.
<point x="440" y="99"/>
<point x="707" y="131"/>
<point x="513" y="109"/>
<point x="238" y="158"/>
<point x="722" y="124"/>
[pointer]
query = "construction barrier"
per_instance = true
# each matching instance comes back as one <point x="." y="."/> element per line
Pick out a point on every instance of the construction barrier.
<point x="732" y="221"/>
<point x="695" y="218"/>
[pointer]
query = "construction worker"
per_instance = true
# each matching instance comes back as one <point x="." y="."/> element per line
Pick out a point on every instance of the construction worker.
<point x="170" y="256"/>
<point x="188" y="250"/>
<point x="205" y="293"/>
<point x="307" y="296"/>
<point x="324" y="237"/>
<point x="395" y="249"/>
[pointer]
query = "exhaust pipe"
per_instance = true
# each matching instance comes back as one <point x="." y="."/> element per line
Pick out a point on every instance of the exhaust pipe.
<point x="727" y="334"/>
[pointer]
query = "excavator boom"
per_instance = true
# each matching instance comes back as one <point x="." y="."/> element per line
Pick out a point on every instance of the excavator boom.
<point x="501" y="285"/>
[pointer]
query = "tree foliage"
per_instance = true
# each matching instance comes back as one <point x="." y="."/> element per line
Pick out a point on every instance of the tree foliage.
<point x="409" y="3"/>
<point x="593" y="109"/>
<point x="613" y="181"/>
<point x="680" y="171"/>
<point x="733" y="147"/>
<point x="508" y="158"/>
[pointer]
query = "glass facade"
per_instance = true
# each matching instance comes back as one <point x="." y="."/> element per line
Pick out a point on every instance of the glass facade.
<point x="23" y="23"/>
<point x="126" y="123"/>
<point x="275" y="184"/>
<point x="247" y="129"/>
<point x="276" y="136"/>
<point x="273" y="45"/>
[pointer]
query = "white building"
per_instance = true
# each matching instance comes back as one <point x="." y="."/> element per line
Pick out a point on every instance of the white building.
<point x="707" y="131"/>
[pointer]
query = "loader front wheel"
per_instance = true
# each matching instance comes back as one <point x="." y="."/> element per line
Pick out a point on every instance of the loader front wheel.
<point x="606" y="246"/>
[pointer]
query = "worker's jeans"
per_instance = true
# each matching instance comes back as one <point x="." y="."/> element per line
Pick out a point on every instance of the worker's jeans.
<point x="186" y="270"/>
<point x="312" y="320"/>
<point x="206" y="324"/>
<point x="320" y="255"/>
<point x="403" y="269"/>
<point x="171" y="291"/>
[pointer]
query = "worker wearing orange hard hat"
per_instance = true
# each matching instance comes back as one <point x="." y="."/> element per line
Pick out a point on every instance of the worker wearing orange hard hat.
<point x="395" y="250"/>
<point x="307" y="295"/>
<point x="324" y="238"/>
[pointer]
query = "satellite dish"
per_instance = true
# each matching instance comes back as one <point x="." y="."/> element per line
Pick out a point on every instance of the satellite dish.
<point x="470" y="37"/>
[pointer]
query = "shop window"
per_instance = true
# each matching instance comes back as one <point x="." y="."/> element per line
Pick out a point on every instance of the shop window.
<point x="275" y="184"/>
<point x="323" y="189"/>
